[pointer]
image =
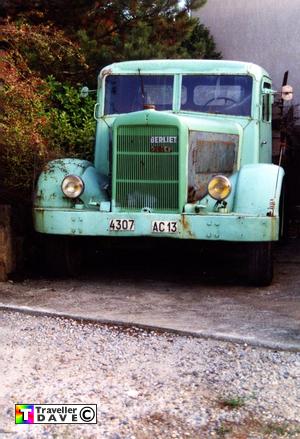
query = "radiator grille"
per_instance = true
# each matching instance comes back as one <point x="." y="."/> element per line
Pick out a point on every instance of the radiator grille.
<point x="147" y="168"/>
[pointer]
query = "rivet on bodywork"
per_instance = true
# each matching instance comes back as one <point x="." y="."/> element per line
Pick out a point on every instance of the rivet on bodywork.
<point x="208" y="235"/>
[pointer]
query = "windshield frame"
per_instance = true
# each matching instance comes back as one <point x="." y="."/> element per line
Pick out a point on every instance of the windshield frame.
<point x="177" y="93"/>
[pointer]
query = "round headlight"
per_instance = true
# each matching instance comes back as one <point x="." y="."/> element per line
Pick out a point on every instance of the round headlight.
<point x="219" y="187"/>
<point x="72" y="186"/>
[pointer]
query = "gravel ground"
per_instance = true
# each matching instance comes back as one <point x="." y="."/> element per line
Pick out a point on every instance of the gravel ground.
<point x="146" y="384"/>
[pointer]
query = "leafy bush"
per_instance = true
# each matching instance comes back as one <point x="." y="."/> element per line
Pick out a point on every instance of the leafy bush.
<point x="22" y="143"/>
<point x="71" y="125"/>
<point x="40" y="119"/>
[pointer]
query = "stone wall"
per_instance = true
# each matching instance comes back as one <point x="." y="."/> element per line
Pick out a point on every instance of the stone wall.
<point x="7" y="253"/>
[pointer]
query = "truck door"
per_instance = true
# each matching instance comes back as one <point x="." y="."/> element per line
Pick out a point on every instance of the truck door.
<point x="265" y="152"/>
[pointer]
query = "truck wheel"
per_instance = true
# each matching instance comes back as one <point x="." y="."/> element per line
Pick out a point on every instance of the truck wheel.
<point x="260" y="263"/>
<point x="62" y="255"/>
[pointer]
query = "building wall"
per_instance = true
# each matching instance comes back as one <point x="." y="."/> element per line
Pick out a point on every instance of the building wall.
<point x="264" y="32"/>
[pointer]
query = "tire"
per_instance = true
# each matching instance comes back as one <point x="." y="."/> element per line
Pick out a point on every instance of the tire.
<point x="260" y="263"/>
<point x="62" y="255"/>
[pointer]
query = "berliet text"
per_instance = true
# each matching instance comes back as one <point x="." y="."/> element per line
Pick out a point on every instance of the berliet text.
<point x="163" y="139"/>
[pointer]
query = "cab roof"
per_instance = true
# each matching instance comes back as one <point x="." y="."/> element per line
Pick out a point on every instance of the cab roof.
<point x="184" y="66"/>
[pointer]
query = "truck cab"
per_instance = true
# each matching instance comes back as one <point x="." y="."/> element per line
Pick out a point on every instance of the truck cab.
<point x="183" y="150"/>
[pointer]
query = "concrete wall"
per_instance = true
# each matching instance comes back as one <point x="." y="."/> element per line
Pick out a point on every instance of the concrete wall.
<point x="266" y="32"/>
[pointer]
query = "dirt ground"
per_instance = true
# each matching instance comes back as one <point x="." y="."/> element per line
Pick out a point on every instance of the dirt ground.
<point x="193" y="294"/>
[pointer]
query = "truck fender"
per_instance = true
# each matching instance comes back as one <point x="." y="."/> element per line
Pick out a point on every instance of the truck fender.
<point x="48" y="190"/>
<point x="258" y="189"/>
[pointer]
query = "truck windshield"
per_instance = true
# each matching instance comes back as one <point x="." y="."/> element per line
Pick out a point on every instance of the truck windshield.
<point x="224" y="94"/>
<point x="128" y="93"/>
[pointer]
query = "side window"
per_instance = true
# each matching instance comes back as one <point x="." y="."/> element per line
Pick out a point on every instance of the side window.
<point x="266" y="104"/>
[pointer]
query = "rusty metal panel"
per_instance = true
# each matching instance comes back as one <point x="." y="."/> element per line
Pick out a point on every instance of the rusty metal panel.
<point x="209" y="154"/>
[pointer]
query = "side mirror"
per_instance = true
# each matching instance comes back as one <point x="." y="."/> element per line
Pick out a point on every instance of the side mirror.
<point x="287" y="93"/>
<point x="84" y="92"/>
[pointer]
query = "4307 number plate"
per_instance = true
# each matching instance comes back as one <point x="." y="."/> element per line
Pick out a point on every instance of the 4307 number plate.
<point x="121" y="225"/>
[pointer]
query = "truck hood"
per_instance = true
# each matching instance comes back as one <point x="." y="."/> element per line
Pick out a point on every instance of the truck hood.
<point x="215" y="123"/>
<point x="200" y="122"/>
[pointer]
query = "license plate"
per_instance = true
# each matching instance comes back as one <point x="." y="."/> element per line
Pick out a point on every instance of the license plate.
<point x="164" y="226"/>
<point x="121" y="225"/>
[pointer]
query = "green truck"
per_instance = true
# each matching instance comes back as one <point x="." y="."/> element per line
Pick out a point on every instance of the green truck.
<point x="183" y="150"/>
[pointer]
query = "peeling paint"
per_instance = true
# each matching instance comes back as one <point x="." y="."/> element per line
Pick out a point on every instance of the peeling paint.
<point x="186" y="226"/>
<point x="105" y="72"/>
<point x="274" y="231"/>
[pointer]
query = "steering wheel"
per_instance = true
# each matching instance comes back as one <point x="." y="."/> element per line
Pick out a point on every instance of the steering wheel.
<point x="219" y="98"/>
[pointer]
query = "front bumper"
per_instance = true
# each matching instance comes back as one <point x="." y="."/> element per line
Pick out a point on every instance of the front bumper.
<point x="213" y="227"/>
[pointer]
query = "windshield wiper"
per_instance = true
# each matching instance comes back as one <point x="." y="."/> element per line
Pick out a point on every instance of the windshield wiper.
<point x="142" y="87"/>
